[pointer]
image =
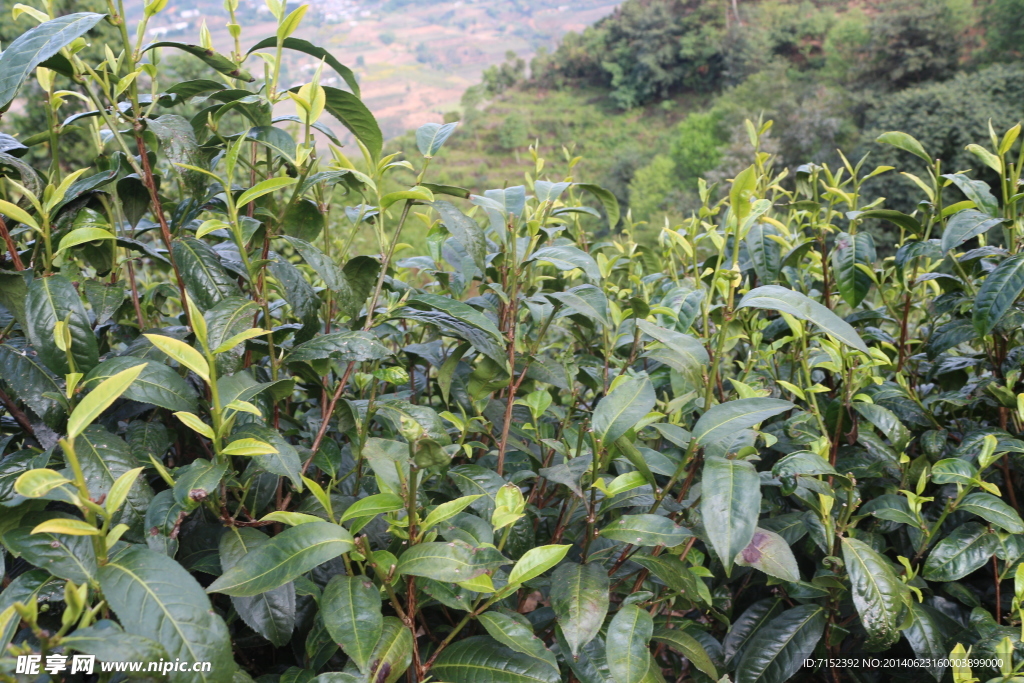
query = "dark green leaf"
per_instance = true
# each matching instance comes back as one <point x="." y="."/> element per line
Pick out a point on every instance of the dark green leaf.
<point x="465" y="230"/>
<point x="332" y="276"/>
<point x="30" y="381"/>
<point x="354" y="115"/>
<point x="157" y="384"/>
<point x="777" y="651"/>
<point x="304" y="46"/>
<point x="482" y="660"/>
<point x="104" y="457"/>
<point x="232" y="315"/>
<point x="272" y="613"/>
<point x="646" y="530"/>
<point x="108" y="642"/>
<point x="849" y="251"/>
<point x="300" y="296"/>
<point x="963" y="551"/>
<point x="105" y="298"/>
<point x="620" y="410"/>
<point x="747" y="625"/>
<point x="730" y="505"/>
<point x="36" y="45"/>
<point x="966" y="225"/>
<point x="343" y="346"/>
<point x="51" y="300"/>
<point x="997" y="294"/>
<point x="292" y="552"/>
<point x="154" y="597"/>
<point x="877" y="593"/>
<point x="393" y="653"/>
<point x="211" y="58"/>
<point x="607" y="199"/>
<point x="682" y="352"/>
<point x="286" y="462"/>
<point x="775" y="297"/>
<point x="993" y="510"/>
<point x="517" y="635"/>
<point x="68" y="557"/>
<point x="196" y="481"/>
<point x="765" y="252"/>
<point x="626" y="644"/>
<point x="351" y="608"/>
<point x="205" y="279"/>
<point x="689" y="647"/>
<point x="925" y="635"/>
<point x="579" y="597"/>
<point x="567" y="258"/>
<point x="718" y="427"/>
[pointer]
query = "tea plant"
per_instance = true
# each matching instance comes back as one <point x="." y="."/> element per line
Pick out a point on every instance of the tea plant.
<point x="539" y="451"/>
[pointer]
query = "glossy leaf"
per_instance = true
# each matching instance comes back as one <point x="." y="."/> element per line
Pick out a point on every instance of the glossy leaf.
<point x="289" y="554"/>
<point x="482" y="660"/>
<point x="848" y="252"/>
<point x="719" y="425"/>
<point x="966" y="549"/>
<point x="51" y="300"/>
<point x="993" y="510"/>
<point x="515" y="635"/>
<point x="730" y="505"/>
<point x="876" y="591"/>
<point x="646" y="530"/>
<point x="626" y="644"/>
<point x="747" y="625"/>
<point x="622" y="408"/>
<point x="451" y="562"/>
<point x="579" y="597"/>
<point x="351" y="608"/>
<point x="271" y="613"/>
<point x="36" y="45"/>
<point x="688" y="646"/>
<point x="777" y="650"/>
<point x="775" y="297"/>
<point x="966" y="225"/>
<point x="156" y="383"/>
<point x="1001" y="288"/>
<point x="154" y="597"/>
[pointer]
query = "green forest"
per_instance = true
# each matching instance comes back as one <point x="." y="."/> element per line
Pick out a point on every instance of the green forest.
<point x="690" y="351"/>
<point x="654" y="96"/>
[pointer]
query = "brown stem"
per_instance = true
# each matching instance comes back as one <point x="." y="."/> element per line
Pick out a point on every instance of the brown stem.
<point x="11" y="248"/>
<point x="903" y="333"/>
<point x="135" y="296"/>
<point x="19" y="416"/>
<point x="999" y="596"/>
<point x="1004" y="464"/>
<point x="158" y="209"/>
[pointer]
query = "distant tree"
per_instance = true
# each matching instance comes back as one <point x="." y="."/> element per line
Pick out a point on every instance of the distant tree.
<point x="498" y="78"/>
<point x="651" y="187"/>
<point x="647" y="51"/>
<point x="910" y="42"/>
<point x="946" y="117"/>
<point x="1004" y="21"/>
<point x="512" y="132"/>
<point x="696" y="148"/>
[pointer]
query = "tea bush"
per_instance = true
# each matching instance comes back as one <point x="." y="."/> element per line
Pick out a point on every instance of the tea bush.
<point x="529" y="453"/>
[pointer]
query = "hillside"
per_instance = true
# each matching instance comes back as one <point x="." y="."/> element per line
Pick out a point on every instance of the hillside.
<point x="655" y="95"/>
<point x="413" y="60"/>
